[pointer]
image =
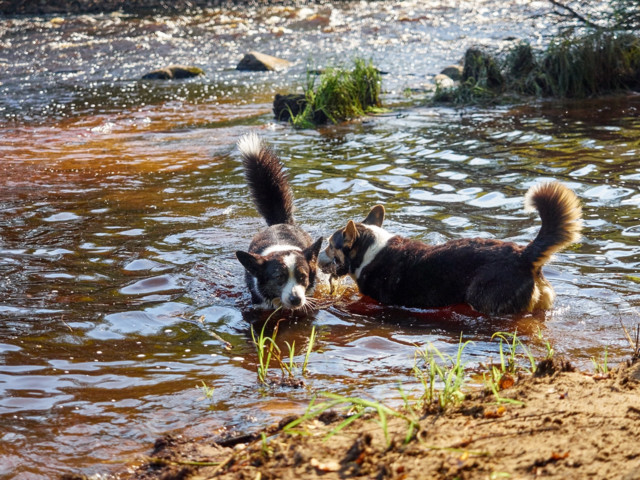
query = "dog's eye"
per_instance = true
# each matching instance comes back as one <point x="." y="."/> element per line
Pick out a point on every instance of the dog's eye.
<point x="301" y="277"/>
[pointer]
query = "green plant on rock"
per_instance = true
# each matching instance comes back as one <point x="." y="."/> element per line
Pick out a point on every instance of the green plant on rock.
<point x="338" y="94"/>
<point x="579" y="66"/>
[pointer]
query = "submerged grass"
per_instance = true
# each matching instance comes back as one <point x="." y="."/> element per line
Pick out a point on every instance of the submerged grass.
<point x="268" y="350"/>
<point x="265" y="347"/>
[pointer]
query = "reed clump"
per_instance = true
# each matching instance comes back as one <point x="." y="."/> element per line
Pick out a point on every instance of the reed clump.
<point x="335" y="95"/>
<point x="594" y="64"/>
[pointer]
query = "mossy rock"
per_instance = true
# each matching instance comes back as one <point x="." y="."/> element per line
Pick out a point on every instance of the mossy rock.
<point x="482" y="69"/>
<point x="173" y="72"/>
<point x="443" y="81"/>
<point x="337" y="95"/>
<point x="287" y="106"/>
<point x="454" y="72"/>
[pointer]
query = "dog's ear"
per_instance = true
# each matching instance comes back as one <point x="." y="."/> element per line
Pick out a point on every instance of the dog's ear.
<point x="252" y="262"/>
<point x="350" y="234"/>
<point x="375" y="217"/>
<point x="311" y="252"/>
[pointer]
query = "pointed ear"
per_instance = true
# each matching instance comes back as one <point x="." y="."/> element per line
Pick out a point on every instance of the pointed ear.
<point x="252" y="262"/>
<point x="375" y="217"/>
<point x="350" y="234"/>
<point x="311" y="253"/>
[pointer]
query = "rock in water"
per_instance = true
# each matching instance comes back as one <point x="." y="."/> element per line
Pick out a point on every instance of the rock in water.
<point x="482" y="69"/>
<point x="286" y="106"/>
<point x="259" y="62"/>
<point x="454" y="72"/>
<point x="173" y="72"/>
<point x="443" y="81"/>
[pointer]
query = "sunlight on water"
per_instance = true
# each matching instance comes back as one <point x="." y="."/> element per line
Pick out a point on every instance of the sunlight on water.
<point x="122" y="204"/>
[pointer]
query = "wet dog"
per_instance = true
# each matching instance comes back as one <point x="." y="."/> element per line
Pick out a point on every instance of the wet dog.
<point x="492" y="276"/>
<point x="281" y="263"/>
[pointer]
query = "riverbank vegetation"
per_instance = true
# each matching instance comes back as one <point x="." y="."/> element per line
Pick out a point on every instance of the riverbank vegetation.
<point x="536" y="420"/>
<point x="597" y="52"/>
<point x="596" y="63"/>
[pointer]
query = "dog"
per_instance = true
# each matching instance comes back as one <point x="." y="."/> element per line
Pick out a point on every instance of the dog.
<point x="492" y="276"/>
<point x="281" y="264"/>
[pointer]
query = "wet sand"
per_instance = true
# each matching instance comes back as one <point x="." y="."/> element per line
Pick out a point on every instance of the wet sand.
<point x="565" y="425"/>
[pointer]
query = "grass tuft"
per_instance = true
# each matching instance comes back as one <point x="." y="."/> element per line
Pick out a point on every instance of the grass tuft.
<point x="601" y="364"/>
<point x="337" y="94"/>
<point x="268" y="350"/>
<point x="355" y="408"/>
<point x="592" y="64"/>
<point x="265" y="347"/>
<point x="503" y="375"/>
<point x="449" y="372"/>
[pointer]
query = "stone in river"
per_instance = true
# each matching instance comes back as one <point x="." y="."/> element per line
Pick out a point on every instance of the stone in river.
<point x="259" y="62"/>
<point x="173" y="72"/>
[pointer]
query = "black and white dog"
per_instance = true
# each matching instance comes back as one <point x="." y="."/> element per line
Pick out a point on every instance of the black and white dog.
<point x="281" y="262"/>
<point x="492" y="276"/>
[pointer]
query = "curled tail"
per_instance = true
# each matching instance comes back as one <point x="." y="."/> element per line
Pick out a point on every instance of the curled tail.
<point x="267" y="181"/>
<point x="561" y="216"/>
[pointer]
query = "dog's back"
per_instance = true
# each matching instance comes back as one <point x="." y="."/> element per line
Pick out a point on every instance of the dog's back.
<point x="492" y="276"/>
<point x="413" y="274"/>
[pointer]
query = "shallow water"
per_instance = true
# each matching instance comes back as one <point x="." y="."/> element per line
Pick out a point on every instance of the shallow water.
<point x="122" y="204"/>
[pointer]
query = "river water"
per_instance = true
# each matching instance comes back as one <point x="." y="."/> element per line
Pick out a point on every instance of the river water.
<point x="122" y="203"/>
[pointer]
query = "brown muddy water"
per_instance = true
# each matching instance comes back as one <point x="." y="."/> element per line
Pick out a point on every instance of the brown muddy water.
<point x="122" y="203"/>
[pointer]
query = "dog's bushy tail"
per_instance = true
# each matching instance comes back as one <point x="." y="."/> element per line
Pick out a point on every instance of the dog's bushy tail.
<point x="561" y="215"/>
<point x="267" y="181"/>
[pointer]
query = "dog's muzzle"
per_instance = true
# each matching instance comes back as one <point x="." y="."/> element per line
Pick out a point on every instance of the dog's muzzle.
<point x="326" y="264"/>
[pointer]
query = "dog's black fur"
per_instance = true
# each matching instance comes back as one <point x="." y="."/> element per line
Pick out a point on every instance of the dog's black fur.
<point x="281" y="263"/>
<point x="492" y="276"/>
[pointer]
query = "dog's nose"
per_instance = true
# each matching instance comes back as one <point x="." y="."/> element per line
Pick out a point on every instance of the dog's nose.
<point x="295" y="300"/>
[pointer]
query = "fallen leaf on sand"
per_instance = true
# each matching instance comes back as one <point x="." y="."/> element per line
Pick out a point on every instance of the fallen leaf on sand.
<point x="559" y="456"/>
<point x="495" y="412"/>
<point x="506" y="381"/>
<point x="330" y="466"/>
